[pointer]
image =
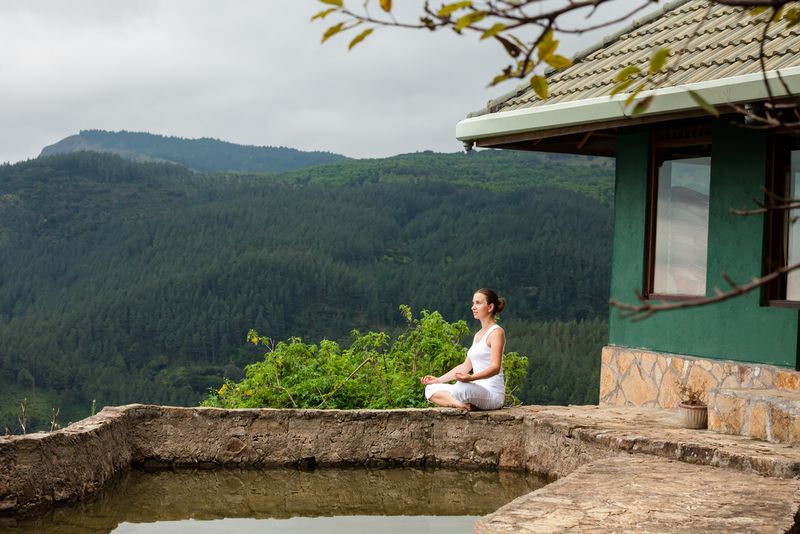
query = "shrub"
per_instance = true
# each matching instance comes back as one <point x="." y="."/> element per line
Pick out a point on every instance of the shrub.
<point x="373" y="372"/>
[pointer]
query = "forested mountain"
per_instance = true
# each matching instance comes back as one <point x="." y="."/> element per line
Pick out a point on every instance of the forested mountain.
<point x="204" y="155"/>
<point x="129" y="282"/>
<point x="497" y="170"/>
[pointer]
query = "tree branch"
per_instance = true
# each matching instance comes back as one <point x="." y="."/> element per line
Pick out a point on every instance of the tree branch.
<point x="774" y="203"/>
<point x="646" y="308"/>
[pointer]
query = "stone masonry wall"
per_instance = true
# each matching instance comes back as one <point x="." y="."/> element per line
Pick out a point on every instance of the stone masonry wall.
<point x="268" y="437"/>
<point x="46" y="467"/>
<point x="636" y="377"/>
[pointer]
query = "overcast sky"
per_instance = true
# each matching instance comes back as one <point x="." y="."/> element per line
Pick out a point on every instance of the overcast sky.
<point x="245" y="71"/>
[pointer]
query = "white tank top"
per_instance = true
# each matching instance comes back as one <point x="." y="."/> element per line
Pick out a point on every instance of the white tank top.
<point x="480" y="356"/>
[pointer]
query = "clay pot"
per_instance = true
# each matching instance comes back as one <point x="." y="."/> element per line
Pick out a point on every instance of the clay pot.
<point x="693" y="415"/>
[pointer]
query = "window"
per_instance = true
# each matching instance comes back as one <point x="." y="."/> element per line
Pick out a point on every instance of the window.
<point x="680" y="183"/>
<point x="783" y="226"/>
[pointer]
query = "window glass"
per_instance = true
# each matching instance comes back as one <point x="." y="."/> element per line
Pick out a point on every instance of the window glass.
<point x="793" y="241"/>
<point x="681" y="240"/>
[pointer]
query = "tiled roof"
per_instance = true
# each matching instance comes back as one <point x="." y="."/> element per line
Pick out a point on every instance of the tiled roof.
<point x="707" y="41"/>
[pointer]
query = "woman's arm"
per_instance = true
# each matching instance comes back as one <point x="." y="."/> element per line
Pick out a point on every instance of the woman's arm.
<point x="496" y="342"/>
<point x="462" y="368"/>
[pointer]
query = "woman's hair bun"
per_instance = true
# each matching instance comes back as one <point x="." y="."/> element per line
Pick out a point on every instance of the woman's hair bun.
<point x="500" y="306"/>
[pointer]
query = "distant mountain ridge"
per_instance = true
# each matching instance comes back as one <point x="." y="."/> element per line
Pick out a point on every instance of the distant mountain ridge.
<point x="204" y="154"/>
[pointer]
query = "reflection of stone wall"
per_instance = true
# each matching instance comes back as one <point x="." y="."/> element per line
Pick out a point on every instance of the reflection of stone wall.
<point x="206" y="494"/>
<point x="635" y="377"/>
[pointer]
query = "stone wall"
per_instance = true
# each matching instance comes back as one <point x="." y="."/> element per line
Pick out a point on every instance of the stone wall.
<point x="636" y="377"/>
<point x="46" y="467"/>
<point x="267" y="437"/>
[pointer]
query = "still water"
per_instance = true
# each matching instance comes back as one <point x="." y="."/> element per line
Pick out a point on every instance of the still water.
<point x="230" y="501"/>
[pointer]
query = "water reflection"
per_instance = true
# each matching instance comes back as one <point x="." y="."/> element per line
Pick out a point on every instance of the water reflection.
<point x="150" y="497"/>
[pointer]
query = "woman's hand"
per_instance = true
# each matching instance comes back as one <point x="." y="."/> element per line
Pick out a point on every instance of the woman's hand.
<point x="429" y="379"/>
<point x="463" y="377"/>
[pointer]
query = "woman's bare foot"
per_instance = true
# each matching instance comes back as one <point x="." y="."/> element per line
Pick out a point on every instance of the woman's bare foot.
<point x="444" y="399"/>
<point x="467" y="407"/>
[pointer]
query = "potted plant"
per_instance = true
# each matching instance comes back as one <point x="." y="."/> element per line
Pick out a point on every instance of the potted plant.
<point x="694" y="412"/>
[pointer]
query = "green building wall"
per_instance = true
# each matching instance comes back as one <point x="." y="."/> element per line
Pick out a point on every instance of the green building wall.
<point x="740" y="329"/>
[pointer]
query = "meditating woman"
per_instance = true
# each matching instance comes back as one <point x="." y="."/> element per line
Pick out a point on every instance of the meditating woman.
<point x="485" y="388"/>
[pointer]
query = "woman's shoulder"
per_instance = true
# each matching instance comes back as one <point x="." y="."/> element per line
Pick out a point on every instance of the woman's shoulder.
<point x="495" y="332"/>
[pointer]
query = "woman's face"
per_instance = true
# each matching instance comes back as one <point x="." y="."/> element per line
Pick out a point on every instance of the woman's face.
<point x="480" y="307"/>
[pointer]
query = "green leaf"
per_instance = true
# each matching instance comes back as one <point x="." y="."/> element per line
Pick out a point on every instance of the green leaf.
<point x="333" y="2"/>
<point x="333" y="30"/>
<point x="539" y="85"/>
<point x="658" y="60"/>
<point x="497" y="79"/>
<point x="324" y="13"/>
<point x="627" y="73"/>
<point x="792" y="17"/>
<point x="756" y="11"/>
<point x="642" y="105"/>
<point x="547" y="45"/>
<point x="448" y="9"/>
<point x="621" y="86"/>
<point x="494" y="30"/>
<point x="469" y="19"/>
<point x="360" y="37"/>
<point x="703" y="103"/>
<point x="633" y="95"/>
<point x="386" y="5"/>
<point x="558" y="62"/>
<point x="517" y="40"/>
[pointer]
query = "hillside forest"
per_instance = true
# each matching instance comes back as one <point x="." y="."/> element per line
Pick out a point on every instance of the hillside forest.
<point x="126" y="282"/>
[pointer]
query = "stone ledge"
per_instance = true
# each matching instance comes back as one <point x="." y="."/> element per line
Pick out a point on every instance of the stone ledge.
<point x="649" y="495"/>
<point x="640" y="377"/>
<point x="626" y="430"/>
<point x="768" y="414"/>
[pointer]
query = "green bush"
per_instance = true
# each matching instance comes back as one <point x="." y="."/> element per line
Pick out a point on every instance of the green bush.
<point x="373" y="372"/>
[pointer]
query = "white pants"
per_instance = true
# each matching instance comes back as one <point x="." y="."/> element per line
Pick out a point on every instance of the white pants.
<point x="471" y="392"/>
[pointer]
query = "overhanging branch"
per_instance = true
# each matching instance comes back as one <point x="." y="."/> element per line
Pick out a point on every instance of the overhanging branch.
<point x="646" y="307"/>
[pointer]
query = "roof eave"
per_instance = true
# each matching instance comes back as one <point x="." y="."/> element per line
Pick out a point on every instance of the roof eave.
<point x="667" y="101"/>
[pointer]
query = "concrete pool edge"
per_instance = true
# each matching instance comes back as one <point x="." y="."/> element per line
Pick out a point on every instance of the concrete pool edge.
<point x="37" y="470"/>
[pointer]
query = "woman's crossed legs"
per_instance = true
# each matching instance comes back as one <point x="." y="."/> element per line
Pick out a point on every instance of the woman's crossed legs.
<point x="464" y="396"/>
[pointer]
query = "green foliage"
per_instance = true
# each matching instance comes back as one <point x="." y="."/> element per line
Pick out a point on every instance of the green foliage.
<point x="563" y="359"/>
<point x="39" y="406"/>
<point x="492" y="170"/>
<point x="373" y="372"/>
